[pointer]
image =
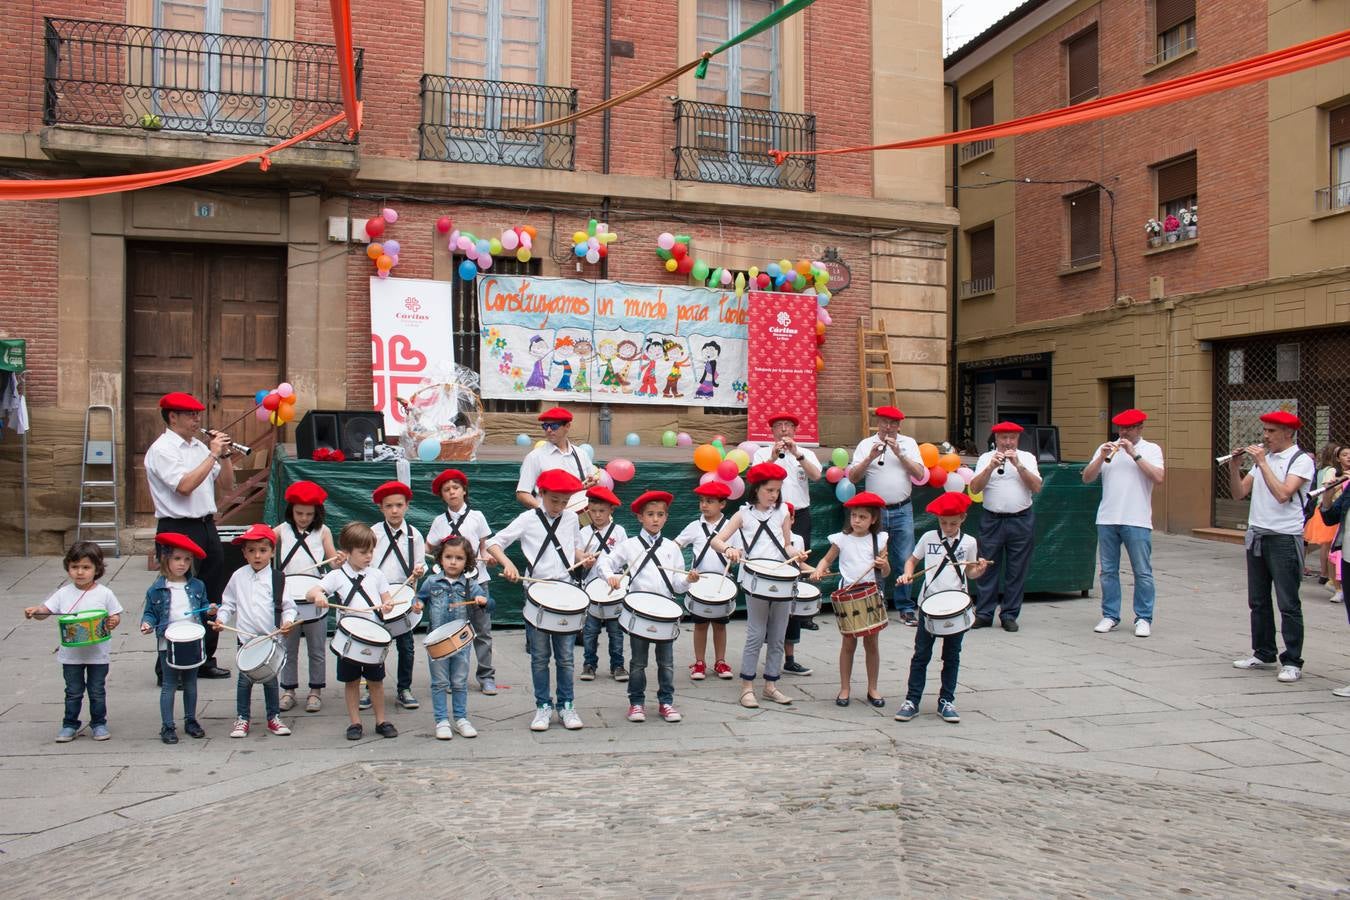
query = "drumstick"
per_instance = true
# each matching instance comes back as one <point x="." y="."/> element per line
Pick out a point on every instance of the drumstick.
<point x="247" y="634"/>
<point x="313" y="567"/>
<point x="674" y="571"/>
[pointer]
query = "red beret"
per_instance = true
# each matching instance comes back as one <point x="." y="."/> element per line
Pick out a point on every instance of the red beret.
<point x="305" y="492"/>
<point x="866" y="499"/>
<point x="180" y="542"/>
<point x="257" y="533"/>
<point x="890" y="412"/>
<point x="559" y="481"/>
<point x="651" y="497"/>
<point x="1007" y="428"/>
<point x="1129" y="417"/>
<point x="1282" y="418"/>
<point x="603" y="494"/>
<point x="448" y="475"/>
<point x="180" y="402"/>
<point x="719" y="490"/>
<point x="556" y="414"/>
<point x="784" y="417"/>
<point x="388" y="489"/>
<point x="949" y="504"/>
<point x="765" y="471"/>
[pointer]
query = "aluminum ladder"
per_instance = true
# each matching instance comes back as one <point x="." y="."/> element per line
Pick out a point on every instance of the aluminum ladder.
<point x="100" y="514"/>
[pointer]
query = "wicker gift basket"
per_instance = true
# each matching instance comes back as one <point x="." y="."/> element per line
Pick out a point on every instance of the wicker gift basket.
<point x="446" y="408"/>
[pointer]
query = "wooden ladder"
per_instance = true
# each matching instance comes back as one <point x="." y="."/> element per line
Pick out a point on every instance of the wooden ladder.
<point x="876" y="376"/>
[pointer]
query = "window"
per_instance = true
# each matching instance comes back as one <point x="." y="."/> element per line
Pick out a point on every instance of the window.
<point x="1082" y="54"/>
<point x="467" y="341"/>
<point x="1174" y="22"/>
<point x="1176" y="187"/>
<point x="1085" y="240"/>
<point x="1119" y="397"/>
<point x="980" y="244"/>
<point x="744" y="76"/>
<point x="223" y="81"/>
<point x="1339" y="131"/>
<point x="496" y="40"/>
<point x="979" y="113"/>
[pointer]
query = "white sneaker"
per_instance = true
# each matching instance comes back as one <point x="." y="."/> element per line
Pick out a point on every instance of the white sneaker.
<point x="1338" y="597"/>
<point x="1289" y="674"/>
<point x="542" y="716"/>
<point x="1251" y="662"/>
<point x="571" y="719"/>
<point x="443" y="731"/>
<point x="465" y="728"/>
<point x="1105" y="625"/>
<point x="1341" y="692"/>
<point x="1142" y="628"/>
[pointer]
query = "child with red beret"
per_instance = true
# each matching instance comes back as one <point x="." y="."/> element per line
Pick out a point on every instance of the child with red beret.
<point x="304" y="541"/>
<point x="175" y="596"/>
<point x="399" y="548"/>
<point x="698" y="535"/>
<point x="596" y="541"/>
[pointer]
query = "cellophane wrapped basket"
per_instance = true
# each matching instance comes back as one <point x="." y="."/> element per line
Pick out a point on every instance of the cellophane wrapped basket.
<point x="445" y="406"/>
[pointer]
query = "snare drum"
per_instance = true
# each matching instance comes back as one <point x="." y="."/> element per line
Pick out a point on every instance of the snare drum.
<point x="713" y="596"/>
<point x="186" y="645"/>
<point x="401" y="619"/>
<point x="650" y="616"/>
<point x="84" y="629"/>
<point x="361" y="640"/>
<point x="947" y="612"/>
<point x="770" y="579"/>
<point x="449" y="639"/>
<point x="261" y="659"/>
<point x="859" y="610"/>
<point x="606" y="603"/>
<point x="806" y="602"/>
<point x="557" y="607"/>
<point x="297" y="586"/>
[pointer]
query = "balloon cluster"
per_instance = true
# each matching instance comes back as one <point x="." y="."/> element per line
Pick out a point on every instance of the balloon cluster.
<point x="718" y="464"/>
<point x="384" y="254"/>
<point x="837" y="475"/>
<point x="517" y="241"/>
<point x="592" y="244"/>
<point x="945" y="471"/>
<point x="276" y="405"/>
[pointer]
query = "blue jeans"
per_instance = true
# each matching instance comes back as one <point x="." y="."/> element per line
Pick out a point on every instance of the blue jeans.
<point x="450" y="673"/>
<point x="542" y="644"/>
<point x="918" y="663"/>
<point x="172" y="678"/>
<point x="665" y="671"/>
<point x="590" y="640"/>
<point x="899" y="527"/>
<point x="1280" y="564"/>
<point x="79" y="678"/>
<point x="1138" y="543"/>
<point x="405" y="646"/>
<point x="243" y="696"/>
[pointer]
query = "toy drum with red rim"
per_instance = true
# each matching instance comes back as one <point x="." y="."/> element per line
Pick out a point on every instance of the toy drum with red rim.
<point x="859" y="610"/>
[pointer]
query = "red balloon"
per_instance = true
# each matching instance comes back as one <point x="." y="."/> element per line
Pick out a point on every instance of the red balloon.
<point x="271" y="401"/>
<point x="727" y="469"/>
<point x="443" y="224"/>
<point x="686" y="264"/>
<point x="834" y="474"/>
<point x="820" y="340"/>
<point x="603" y="250"/>
<point x="764" y="280"/>
<point x="679" y="251"/>
<point x="375" y="226"/>
<point x="621" y="470"/>
<point x="937" y="476"/>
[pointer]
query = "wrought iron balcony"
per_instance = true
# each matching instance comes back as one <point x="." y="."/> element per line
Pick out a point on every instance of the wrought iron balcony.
<point x="153" y="79"/>
<point x="975" y="149"/>
<point x="1335" y="197"/>
<point x="731" y="144"/>
<point x="977" y="286"/>
<point x="470" y="120"/>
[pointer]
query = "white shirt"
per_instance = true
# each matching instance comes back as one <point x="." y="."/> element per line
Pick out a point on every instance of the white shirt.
<point x="70" y="599"/>
<point x="650" y="580"/>
<point x="887" y="477"/>
<point x="796" y="487"/>
<point x="247" y="603"/>
<point x="178" y="607"/>
<point x="167" y="461"/>
<point x="548" y="457"/>
<point x="529" y="529"/>
<point x="473" y="527"/>
<point x="1007" y="493"/>
<point x="1127" y="493"/>
<point x="856" y="559"/>
<point x="302" y="562"/>
<point x="1267" y="512"/>
<point x="696" y="536"/>
<point x="411" y="546"/>
<point x="757" y="545"/>
<point x="588" y="541"/>
<point x="339" y="582"/>
<point x="929" y="549"/>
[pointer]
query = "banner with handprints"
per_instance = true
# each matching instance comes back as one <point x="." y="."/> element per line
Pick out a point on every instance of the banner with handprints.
<point x="562" y="340"/>
<point x="410" y="331"/>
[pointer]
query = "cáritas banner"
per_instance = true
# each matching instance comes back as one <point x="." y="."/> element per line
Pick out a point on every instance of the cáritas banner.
<point x="783" y="362"/>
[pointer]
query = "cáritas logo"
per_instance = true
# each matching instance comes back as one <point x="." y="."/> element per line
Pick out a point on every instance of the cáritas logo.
<point x="414" y="311"/>
<point x="783" y="332"/>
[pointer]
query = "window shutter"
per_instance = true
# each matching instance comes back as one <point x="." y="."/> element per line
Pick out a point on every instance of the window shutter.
<point x="1176" y="180"/>
<point x="1168" y="14"/>
<point x="982" y="253"/>
<point x="1083" y="66"/>
<point x="982" y="109"/>
<point x="1085" y="240"/>
<point x="1340" y="125"/>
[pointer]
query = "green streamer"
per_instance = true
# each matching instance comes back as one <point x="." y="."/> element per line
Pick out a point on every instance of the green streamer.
<point x="784" y="12"/>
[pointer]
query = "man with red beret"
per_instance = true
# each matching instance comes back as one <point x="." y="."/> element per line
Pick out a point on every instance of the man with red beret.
<point x="1277" y="484"/>
<point x="557" y="452"/>
<point x="183" y="474"/>
<point x="1009" y="479"/>
<point x="1129" y="468"/>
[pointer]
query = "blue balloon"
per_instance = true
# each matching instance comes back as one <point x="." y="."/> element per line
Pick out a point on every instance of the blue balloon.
<point x="522" y="440"/>
<point x="428" y="449"/>
<point x="845" y="490"/>
<point x="589" y="451"/>
<point x="580" y="249"/>
<point x="632" y="440"/>
<point x="467" y="270"/>
<point x="773" y="270"/>
<point x="260" y="396"/>
<point x="484" y="247"/>
<point x="823" y="299"/>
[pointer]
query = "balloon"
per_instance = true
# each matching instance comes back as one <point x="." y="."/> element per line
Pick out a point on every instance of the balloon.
<point x="589" y="451"/>
<point x="579" y="251"/>
<point x="632" y="440"/>
<point x="763" y="280"/>
<point x="799" y="282"/>
<point x="606" y="480"/>
<point x="383" y="273"/>
<point x="443" y="224"/>
<point x="579" y="237"/>
<point x="845" y="490"/>
<point x="978" y="498"/>
<point x="949" y="461"/>
<point x="467" y="270"/>
<point x="750" y="447"/>
<point x="428" y="449"/>
<point x="375" y="227"/>
<point x="823" y="298"/>
<point x="937" y="476"/>
<point x="823" y="315"/>
<point x="465" y="243"/>
<point x="737" y="486"/>
<point x="833" y="474"/>
<point x="531" y="231"/>
<point x="287" y="404"/>
<point x="803" y="267"/>
<point x="686" y="265"/>
<point x="276" y="419"/>
<point x="258" y="397"/>
<point x="510" y="240"/>
<point x="523" y="254"/>
<point x="390" y="215"/>
<point x="706" y="457"/>
<point x="700" y="270"/>
<point x="384" y="263"/>
<point x="740" y="283"/>
<point x="721" y="449"/>
<point x="620" y="469"/>
<point x="929" y="454"/>
<point x="820" y="364"/>
<point x="391" y="248"/>
<point x="526" y="241"/>
<point x="495" y="247"/>
<point x="668" y="439"/>
<point x="922" y="479"/>
<point x="593" y="243"/>
<point x="679" y="251"/>
<point x="538" y="444"/>
<point x="484" y="248"/>
<point x="683" y="440"/>
<point x="707" y="477"/>
<point x="773" y="270"/>
<point x="719" y="439"/>
<point x="955" y="484"/>
<point x="725" y="277"/>
<point x="484" y="261"/>
<point x="967" y="474"/>
<point x="820" y="328"/>
<point x="522" y="440"/>
<point x="262" y="413"/>
<point x="271" y="401"/>
<point x="592" y="256"/>
<point x="672" y="264"/>
<point x="740" y="458"/>
<point x="374" y="250"/>
<point x="665" y="240"/>
<point x="727" y="469"/>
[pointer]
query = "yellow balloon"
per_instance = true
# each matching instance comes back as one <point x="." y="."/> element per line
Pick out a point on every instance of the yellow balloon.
<point x="978" y="498"/>
<point x="672" y="264"/>
<point x="523" y="254"/>
<point x="579" y="237"/>
<point x="740" y="458"/>
<point x="538" y="444"/>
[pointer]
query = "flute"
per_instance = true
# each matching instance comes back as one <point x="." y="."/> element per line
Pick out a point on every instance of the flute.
<point x="237" y="447"/>
<point x="1317" y="492"/>
<point x="1110" y="450"/>
<point x="1220" y="460"/>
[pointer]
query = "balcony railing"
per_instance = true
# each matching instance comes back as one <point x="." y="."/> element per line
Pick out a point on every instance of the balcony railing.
<point x="1171" y="49"/>
<point x="976" y="286"/>
<point x="731" y="144"/>
<point x="974" y="149"/>
<point x="1333" y="198"/>
<point x="470" y="120"/>
<point x="161" y="79"/>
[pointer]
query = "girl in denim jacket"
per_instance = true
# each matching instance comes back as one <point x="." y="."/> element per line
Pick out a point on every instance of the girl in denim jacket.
<point x="443" y="596"/>
<point x="175" y="596"/>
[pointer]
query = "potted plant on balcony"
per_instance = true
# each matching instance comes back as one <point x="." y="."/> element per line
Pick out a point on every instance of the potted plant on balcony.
<point x="1190" y="221"/>
<point x="1172" y="229"/>
<point x="1153" y="229"/>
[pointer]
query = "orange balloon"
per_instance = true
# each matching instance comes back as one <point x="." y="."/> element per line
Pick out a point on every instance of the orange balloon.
<point x="929" y="454"/>
<point x="803" y="267"/>
<point x="287" y="404"/>
<point x="820" y="328"/>
<point x="374" y="250"/>
<point x="949" y="461"/>
<point x="707" y="457"/>
<point x="385" y="262"/>
<point x="531" y="231"/>
<point x="820" y="364"/>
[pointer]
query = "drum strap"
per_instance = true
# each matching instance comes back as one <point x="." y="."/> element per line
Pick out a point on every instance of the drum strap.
<point x="950" y="552"/>
<point x="300" y="544"/>
<point x="278" y="591"/>
<point x="648" y="557"/>
<point x="708" y="535"/>
<point x="603" y="539"/>
<point x="357" y="589"/>
<point x="404" y="562"/>
<point x="767" y="532"/>
<point x="456" y="524"/>
<point x="550" y="537"/>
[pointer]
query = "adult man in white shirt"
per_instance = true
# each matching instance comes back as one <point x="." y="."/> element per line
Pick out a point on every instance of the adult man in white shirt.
<point x="1129" y="468"/>
<point x="1277" y="484"/>
<point x="1009" y="478"/>
<point x="558" y="452"/>
<point x="884" y="463"/>
<point x="183" y="474"/>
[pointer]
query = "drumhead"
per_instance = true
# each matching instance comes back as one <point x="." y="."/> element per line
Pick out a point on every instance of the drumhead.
<point x="599" y="590"/>
<point x="440" y="634"/>
<point x="404" y="594"/>
<point x="365" y="630"/>
<point x="807" y="591"/>
<point x="773" y="569"/>
<point x="88" y="615"/>
<point x="945" y="603"/>
<point x="255" y="652"/>
<point x="653" y="606"/>
<point x="558" y="596"/>
<point x="577" y="502"/>
<point x="712" y="587"/>
<point x="298" y="585"/>
<point x="184" y="632"/>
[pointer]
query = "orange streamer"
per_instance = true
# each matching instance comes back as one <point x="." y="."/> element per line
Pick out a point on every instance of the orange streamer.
<point x="342" y="39"/>
<point x="1247" y="71"/>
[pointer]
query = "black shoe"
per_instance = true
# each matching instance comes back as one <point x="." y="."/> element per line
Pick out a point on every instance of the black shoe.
<point x="1009" y="623"/>
<point x="193" y="729"/>
<point x="792" y="667"/>
<point x="810" y="625"/>
<point x="878" y="702"/>
<point x="981" y="622"/>
<point x="354" y="732"/>
<point x="168" y="735"/>
<point x="908" y="618"/>
<point x="386" y="730"/>
<point x="209" y="669"/>
<point x="841" y="701"/>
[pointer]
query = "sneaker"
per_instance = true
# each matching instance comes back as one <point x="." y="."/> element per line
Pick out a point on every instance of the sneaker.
<point x="1289" y="674"/>
<point x="1338" y="597"/>
<point x="240" y="728"/>
<point x="277" y="727"/>
<point x="354" y="732"/>
<point x="571" y="719"/>
<point x="386" y="730"/>
<point x="723" y="670"/>
<point x="65" y="735"/>
<point x="1009" y="623"/>
<point x="620" y="674"/>
<point x="287" y="700"/>
<point x="981" y="622"/>
<point x="365" y="700"/>
<point x="698" y="671"/>
<point x="542" y="716"/>
<point x="1341" y="692"/>
<point x="99" y="733"/>
<point x="792" y="667"/>
<point x="670" y="713"/>
<point x="168" y="734"/>
<point x="810" y="625"/>
<point x="407" y="700"/>
<point x="636" y="713"/>
<point x="587" y="673"/>
<point x="194" y="729"/>
<point x="443" y="731"/>
<point x="1106" y="624"/>
<point x="1142" y="628"/>
<point x="313" y="703"/>
<point x="488" y="686"/>
<point x="771" y="692"/>
<point x="906" y="711"/>
<point x="1252" y="662"/>
<point x="908" y="618"/>
<point x="947" y="710"/>
<point x="465" y="728"/>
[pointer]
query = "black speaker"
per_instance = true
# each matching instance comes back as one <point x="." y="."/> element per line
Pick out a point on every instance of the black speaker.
<point x="338" y="429"/>
<point x="1041" y="441"/>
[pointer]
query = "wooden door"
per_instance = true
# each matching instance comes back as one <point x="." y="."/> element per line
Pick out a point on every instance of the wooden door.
<point x="201" y="318"/>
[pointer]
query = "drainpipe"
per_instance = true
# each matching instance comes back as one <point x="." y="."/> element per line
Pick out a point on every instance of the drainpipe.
<point x="953" y="382"/>
<point x="605" y="416"/>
